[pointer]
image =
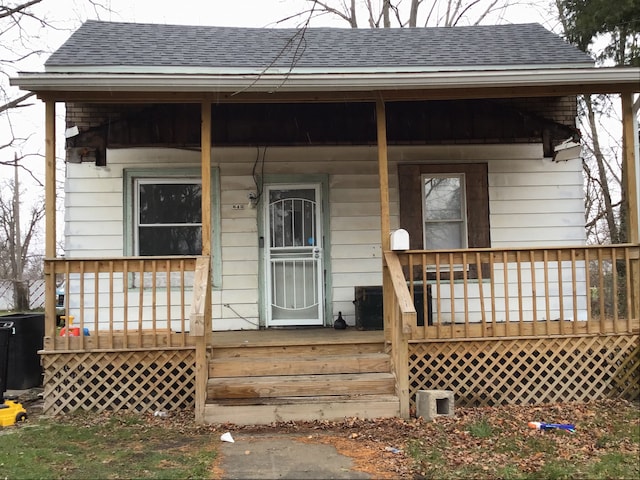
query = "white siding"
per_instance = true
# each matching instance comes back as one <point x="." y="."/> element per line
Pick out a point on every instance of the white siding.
<point x="507" y="307"/>
<point x="95" y="194"/>
<point x="536" y="203"/>
<point x="531" y="202"/>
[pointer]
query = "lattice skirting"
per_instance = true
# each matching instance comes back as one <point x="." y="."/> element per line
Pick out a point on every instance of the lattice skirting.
<point x="528" y="371"/>
<point x="134" y="380"/>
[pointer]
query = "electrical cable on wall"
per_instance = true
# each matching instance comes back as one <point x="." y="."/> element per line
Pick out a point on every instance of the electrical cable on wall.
<point x="259" y="180"/>
<point x="240" y="316"/>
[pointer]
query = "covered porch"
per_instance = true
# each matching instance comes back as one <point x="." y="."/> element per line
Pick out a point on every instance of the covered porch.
<point x="510" y="325"/>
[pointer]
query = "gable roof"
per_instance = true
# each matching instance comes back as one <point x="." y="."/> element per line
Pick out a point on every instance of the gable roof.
<point x="111" y="57"/>
<point x="101" y="46"/>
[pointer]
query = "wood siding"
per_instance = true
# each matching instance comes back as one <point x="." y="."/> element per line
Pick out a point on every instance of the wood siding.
<point x="437" y="122"/>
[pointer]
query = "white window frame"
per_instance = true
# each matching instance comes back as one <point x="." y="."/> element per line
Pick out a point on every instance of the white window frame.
<point x="136" y="204"/>
<point x="463" y="207"/>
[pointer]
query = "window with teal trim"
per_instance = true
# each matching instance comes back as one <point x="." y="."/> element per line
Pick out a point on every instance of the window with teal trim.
<point x="167" y="216"/>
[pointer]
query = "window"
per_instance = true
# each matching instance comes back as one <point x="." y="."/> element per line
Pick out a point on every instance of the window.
<point x="459" y="201"/>
<point x="168" y="216"/>
<point x="163" y="214"/>
<point x="445" y="206"/>
<point x="444" y="211"/>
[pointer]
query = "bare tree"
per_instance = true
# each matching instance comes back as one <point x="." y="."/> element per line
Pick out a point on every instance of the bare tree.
<point x="582" y="23"/>
<point x="25" y="26"/>
<point x="602" y="166"/>
<point x="16" y="46"/>
<point x="406" y="13"/>
<point x="17" y="262"/>
<point x="22" y="27"/>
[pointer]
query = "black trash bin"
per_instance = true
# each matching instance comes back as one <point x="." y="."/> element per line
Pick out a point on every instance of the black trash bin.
<point x="369" y="307"/>
<point x="6" y="330"/>
<point x="368" y="302"/>
<point x="23" y="366"/>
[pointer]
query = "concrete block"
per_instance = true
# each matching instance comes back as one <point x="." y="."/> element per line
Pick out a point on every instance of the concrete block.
<point x="434" y="403"/>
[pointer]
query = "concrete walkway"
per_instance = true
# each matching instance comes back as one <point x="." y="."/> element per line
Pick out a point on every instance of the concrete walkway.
<point x="283" y="456"/>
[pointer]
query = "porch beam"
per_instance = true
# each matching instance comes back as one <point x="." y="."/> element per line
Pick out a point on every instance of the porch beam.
<point x="50" y="216"/>
<point x="331" y="96"/>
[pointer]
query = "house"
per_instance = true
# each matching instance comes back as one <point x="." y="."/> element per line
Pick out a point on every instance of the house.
<point x="229" y="191"/>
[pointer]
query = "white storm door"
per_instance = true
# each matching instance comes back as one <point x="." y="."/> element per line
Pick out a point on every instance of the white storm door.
<point x="294" y="263"/>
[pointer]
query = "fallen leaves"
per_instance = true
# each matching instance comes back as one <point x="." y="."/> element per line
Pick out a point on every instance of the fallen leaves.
<point x="488" y="442"/>
<point x="446" y="445"/>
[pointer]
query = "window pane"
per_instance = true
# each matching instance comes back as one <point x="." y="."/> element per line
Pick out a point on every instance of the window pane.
<point x="170" y="240"/>
<point x="443" y="235"/>
<point x="442" y="198"/>
<point x="170" y="203"/>
<point x="292" y="218"/>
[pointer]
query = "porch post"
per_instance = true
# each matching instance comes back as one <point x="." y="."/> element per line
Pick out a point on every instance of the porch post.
<point x="206" y="205"/>
<point x="201" y="341"/>
<point x="385" y="226"/>
<point x="630" y="185"/>
<point x="393" y="332"/>
<point x="629" y="133"/>
<point x="383" y="172"/>
<point x="50" y="217"/>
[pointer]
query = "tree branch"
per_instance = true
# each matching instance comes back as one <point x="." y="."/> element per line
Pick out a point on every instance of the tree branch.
<point x="16" y="103"/>
<point x="7" y="11"/>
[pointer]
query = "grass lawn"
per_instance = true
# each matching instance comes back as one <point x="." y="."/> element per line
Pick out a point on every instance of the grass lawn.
<point x="479" y="443"/>
<point x="94" y="446"/>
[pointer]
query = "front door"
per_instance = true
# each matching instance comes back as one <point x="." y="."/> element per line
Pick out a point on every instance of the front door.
<point x="293" y="255"/>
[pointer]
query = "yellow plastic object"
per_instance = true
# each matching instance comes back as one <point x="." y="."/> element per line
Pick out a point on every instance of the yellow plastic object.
<point x="11" y="412"/>
<point x="64" y="319"/>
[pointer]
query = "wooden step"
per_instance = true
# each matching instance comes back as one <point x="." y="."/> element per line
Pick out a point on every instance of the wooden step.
<point x="301" y="385"/>
<point x="298" y="365"/>
<point x="321" y="349"/>
<point x="286" y="409"/>
<point x="315" y="374"/>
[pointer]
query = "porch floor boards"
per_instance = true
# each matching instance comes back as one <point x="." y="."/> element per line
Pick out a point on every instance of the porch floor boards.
<point x="258" y="377"/>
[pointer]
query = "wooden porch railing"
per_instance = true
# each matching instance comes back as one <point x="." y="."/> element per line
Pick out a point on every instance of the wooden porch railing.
<point x="514" y="325"/>
<point x="399" y="322"/>
<point x="484" y="293"/>
<point x="121" y="303"/>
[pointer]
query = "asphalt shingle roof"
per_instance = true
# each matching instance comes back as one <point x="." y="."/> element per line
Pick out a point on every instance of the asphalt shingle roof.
<point x="97" y="44"/>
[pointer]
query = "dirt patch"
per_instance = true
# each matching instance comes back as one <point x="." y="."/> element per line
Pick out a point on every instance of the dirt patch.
<point x="378" y="460"/>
